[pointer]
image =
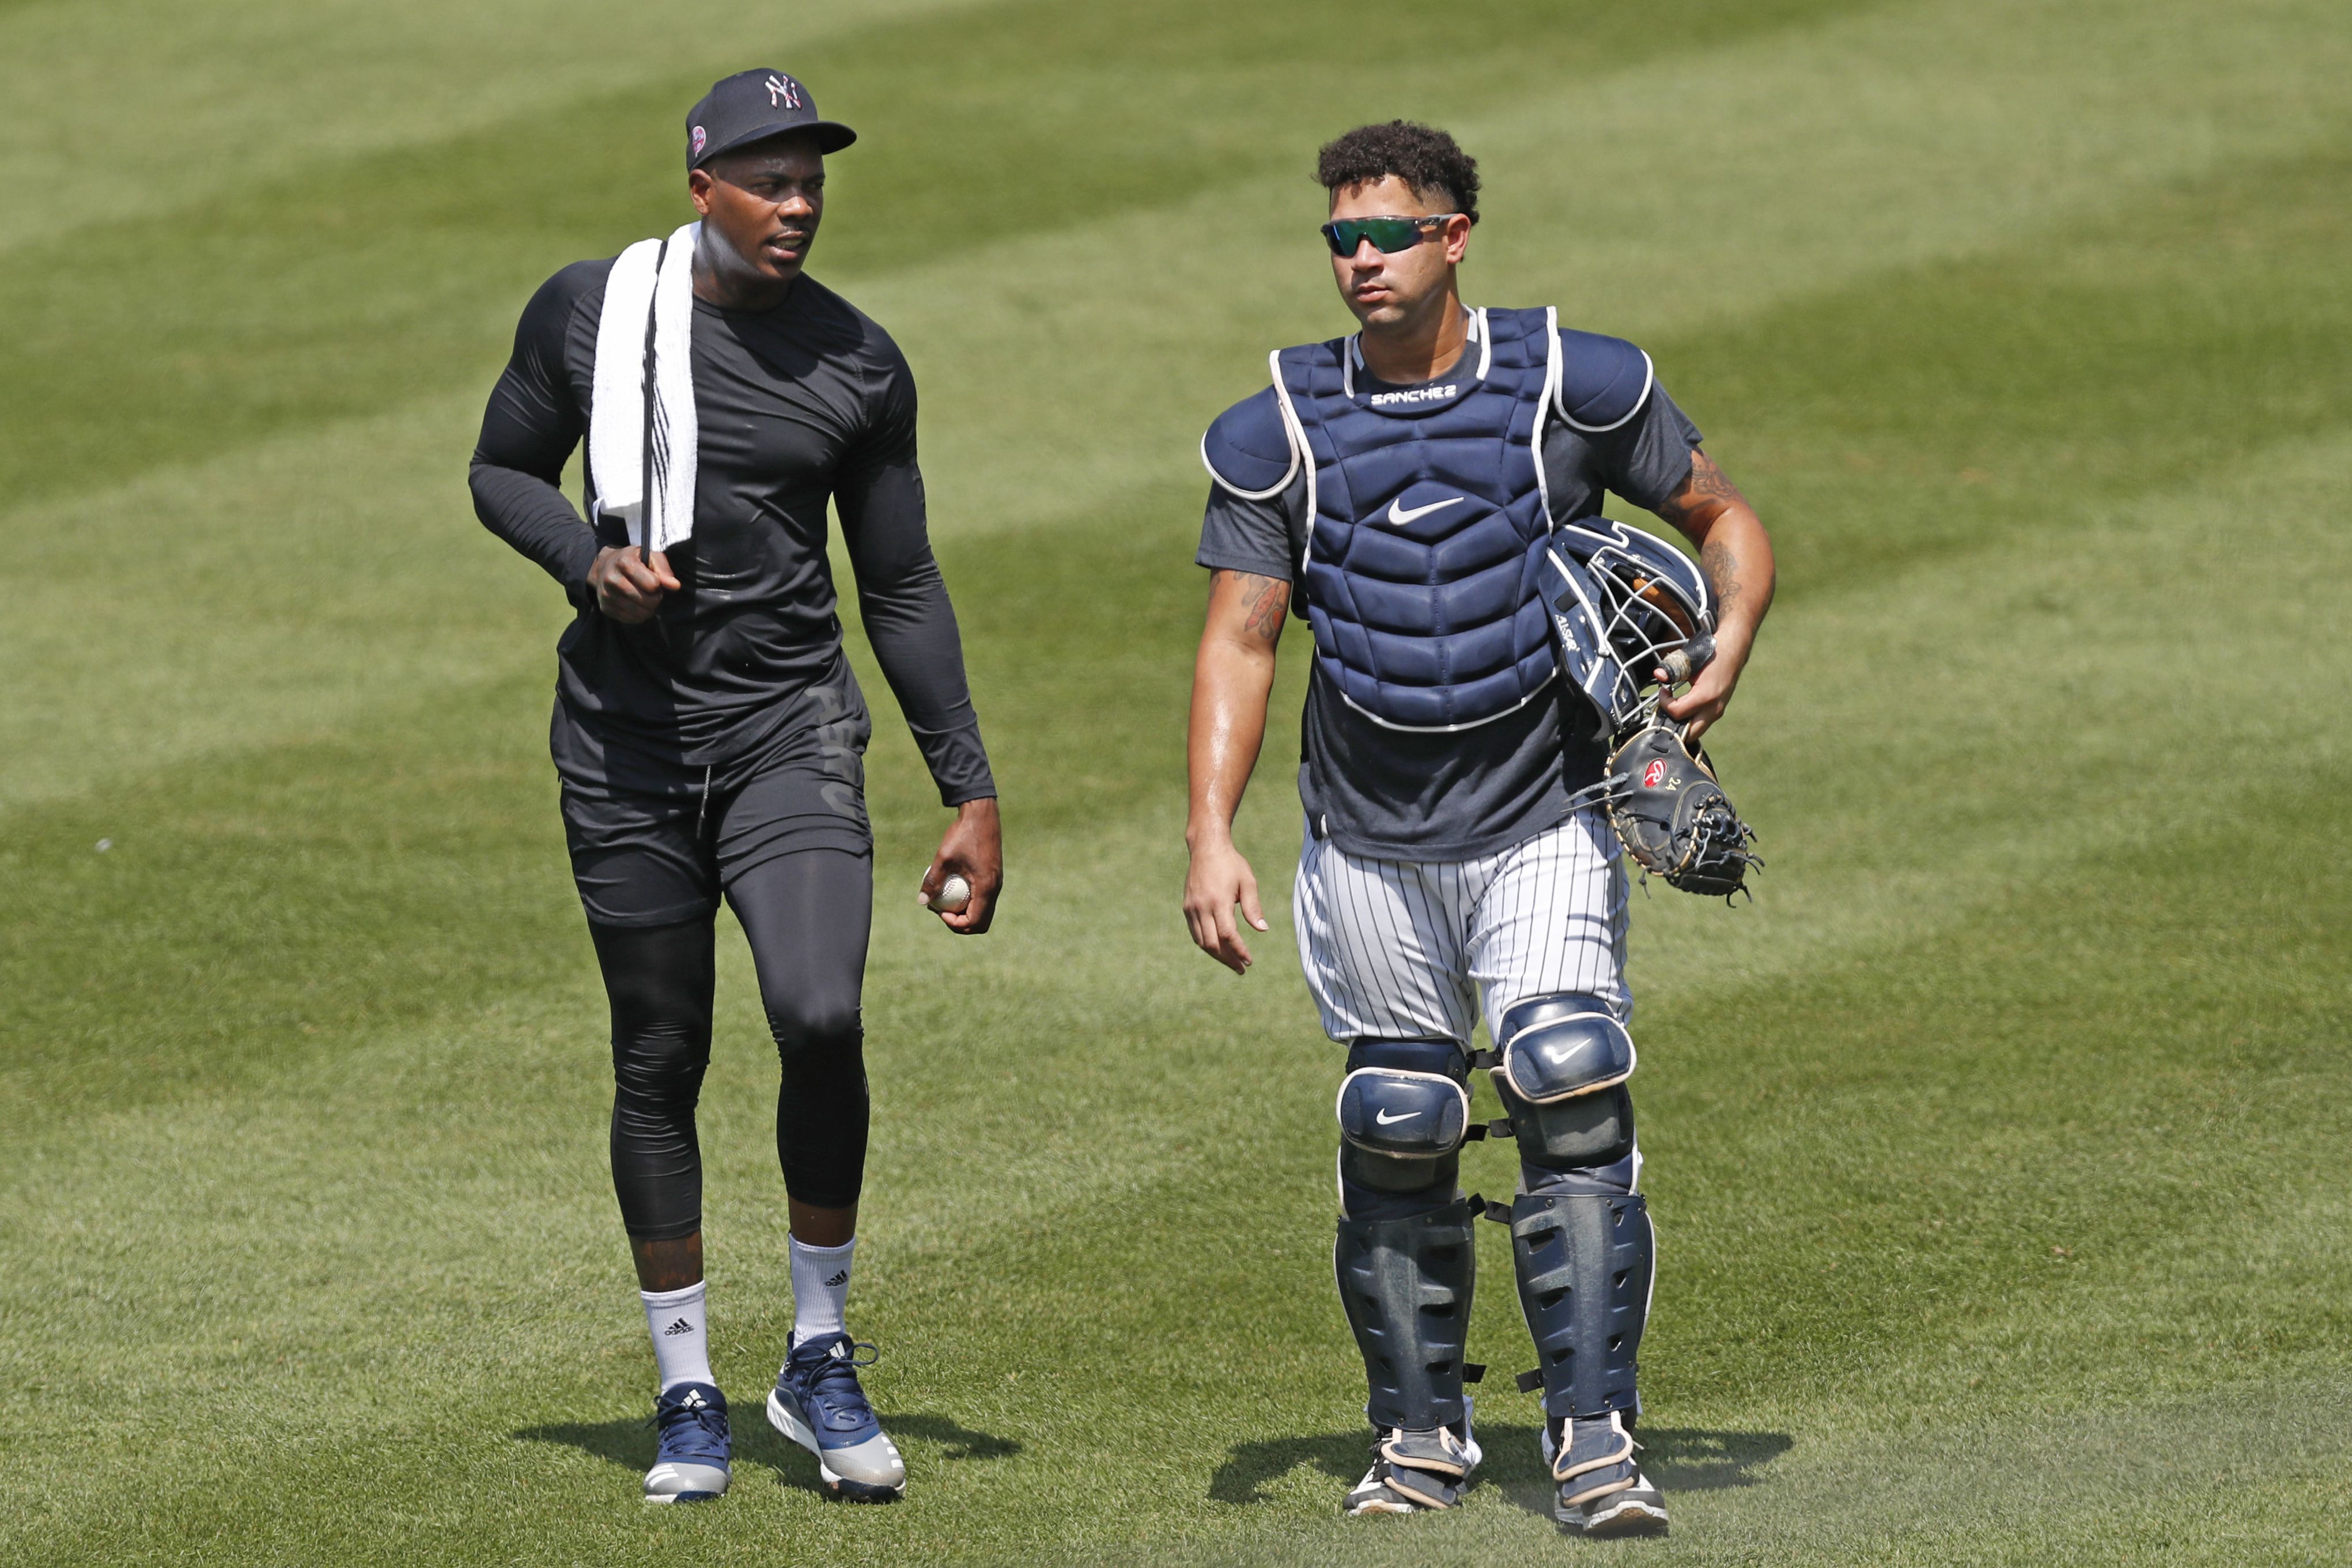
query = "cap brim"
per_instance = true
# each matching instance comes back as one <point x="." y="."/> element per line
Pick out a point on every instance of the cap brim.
<point x="832" y="136"/>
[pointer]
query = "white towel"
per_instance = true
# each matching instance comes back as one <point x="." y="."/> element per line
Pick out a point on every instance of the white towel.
<point x="652" y="288"/>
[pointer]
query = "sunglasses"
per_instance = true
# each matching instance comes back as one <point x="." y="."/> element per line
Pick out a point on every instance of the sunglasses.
<point x="1388" y="235"/>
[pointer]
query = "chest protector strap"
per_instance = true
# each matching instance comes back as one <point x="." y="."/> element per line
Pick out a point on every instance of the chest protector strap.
<point x="1427" y="516"/>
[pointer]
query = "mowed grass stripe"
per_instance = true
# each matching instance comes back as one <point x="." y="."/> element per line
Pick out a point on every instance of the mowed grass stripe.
<point x="202" y="101"/>
<point x="352" y="1288"/>
<point x="1064" y="783"/>
<point x="367" y="284"/>
<point x="340" y="291"/>
<point x="955" y="1276"/>
<point x="1831" y="673"/>
<point x="1997" y="132"/>
<point x="1973" y="403"/>
<point x="1089" y="1311"/>
<point x="2135" y="352"/>
<point x="1987" y="1491"/>
<point x="1074" y="1307"/>
<point x="263" y="878"/>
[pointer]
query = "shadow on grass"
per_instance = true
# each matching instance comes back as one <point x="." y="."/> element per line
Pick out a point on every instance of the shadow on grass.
<point x="1678" y="1459"/>
<point x="630" y="1444"/>
<point x="1249" y="1467"/>
<point x="1687" y="1459"/>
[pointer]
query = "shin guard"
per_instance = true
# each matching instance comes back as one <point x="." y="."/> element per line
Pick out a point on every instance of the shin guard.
<point x="1406" y="1286"/>
<point x="1584" y="1263"/>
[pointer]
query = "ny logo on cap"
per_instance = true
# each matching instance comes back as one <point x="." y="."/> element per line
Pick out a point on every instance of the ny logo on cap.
<point x="783" y="92"/>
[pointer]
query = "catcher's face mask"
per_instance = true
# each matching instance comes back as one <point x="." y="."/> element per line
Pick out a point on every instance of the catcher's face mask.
<point x="1621" y="602"/>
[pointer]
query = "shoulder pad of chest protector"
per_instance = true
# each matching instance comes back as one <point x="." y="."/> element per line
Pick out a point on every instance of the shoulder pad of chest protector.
<point x="1249" y="449"/>
<point x="1604" y="381"/>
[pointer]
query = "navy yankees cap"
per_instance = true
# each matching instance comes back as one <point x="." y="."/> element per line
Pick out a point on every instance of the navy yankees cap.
<point x="751" y="106"/>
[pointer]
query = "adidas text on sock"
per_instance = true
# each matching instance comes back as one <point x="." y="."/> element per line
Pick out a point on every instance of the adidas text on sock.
<point x="820" y="1288"/>
<point x="681" y="1333"/>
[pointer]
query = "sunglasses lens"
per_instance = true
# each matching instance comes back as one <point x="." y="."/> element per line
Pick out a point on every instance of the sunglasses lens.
<point x="1388" y="235"/>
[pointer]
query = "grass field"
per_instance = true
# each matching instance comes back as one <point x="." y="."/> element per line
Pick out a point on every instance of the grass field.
<point x="1997" y="1150"/>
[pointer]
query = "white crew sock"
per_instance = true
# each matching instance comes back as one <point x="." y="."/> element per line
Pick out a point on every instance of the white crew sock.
<point x="681" y="1335"/>
<point x="820" y="1288"/>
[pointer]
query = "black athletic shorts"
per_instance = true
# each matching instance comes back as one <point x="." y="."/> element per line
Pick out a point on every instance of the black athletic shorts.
<point x="657" y="856"/>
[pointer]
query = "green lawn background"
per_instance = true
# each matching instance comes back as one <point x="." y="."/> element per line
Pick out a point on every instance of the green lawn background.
<point x="1996" y="1150"/>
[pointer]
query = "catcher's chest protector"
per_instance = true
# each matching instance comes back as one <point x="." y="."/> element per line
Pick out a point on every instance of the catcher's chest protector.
<point x="1429" y="514"/>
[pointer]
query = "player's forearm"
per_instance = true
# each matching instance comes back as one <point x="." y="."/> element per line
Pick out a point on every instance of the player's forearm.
<point x="1733" y="551"/>
<point x="1231" y="683"/>
<point x="1736" y="553"/>
<point x="910" y="623"/>
<point x="912" y="631"/>
<point x="536" y="519"/>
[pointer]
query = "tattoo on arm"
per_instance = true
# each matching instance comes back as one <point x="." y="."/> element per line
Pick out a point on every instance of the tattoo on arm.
<point x="1268" y="599"/>
<point x="1722" y="569"/>
<point x="1270" y="603"/>
<point x="1705" y="490"/>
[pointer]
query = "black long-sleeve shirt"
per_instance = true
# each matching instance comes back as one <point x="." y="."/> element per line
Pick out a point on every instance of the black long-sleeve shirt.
<point x="800" y="403"/>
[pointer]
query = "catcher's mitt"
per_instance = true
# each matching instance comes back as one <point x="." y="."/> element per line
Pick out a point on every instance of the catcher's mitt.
<point x="1673" y="817"/>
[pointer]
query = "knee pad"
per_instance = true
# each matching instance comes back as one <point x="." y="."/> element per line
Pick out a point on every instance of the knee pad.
<point x="1404" y="1115"/>
<point x="1406" y="1285"/>
<point x="1562" y="1079"/>
<point x="1584" y="1263"/>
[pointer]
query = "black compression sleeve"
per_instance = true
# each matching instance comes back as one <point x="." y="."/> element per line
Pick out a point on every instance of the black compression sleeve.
<point x="658" y="980"/>
<point x="807" y="916"/>
<point x="529" y="431"/>
<point x="904" y="599"/>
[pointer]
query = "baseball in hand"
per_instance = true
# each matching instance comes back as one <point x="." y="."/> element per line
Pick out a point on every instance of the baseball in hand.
<point x="953" y="894"/>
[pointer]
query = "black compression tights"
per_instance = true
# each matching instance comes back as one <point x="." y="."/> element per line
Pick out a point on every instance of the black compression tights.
<point x="807" y="916"/>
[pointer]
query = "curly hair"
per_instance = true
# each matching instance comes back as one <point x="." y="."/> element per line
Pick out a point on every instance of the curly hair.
<point x="1423" y="156"/>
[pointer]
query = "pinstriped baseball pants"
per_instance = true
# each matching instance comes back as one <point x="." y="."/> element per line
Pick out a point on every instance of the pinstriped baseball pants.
<point x="1407" y="949"/>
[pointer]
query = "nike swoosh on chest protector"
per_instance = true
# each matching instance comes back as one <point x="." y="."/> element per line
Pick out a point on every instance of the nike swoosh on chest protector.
<point x="1400" y="516"/>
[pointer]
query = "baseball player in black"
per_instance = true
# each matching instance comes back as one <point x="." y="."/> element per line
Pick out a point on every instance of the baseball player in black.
<point x="708" y="730"/>
<point x="1404" y="490"/>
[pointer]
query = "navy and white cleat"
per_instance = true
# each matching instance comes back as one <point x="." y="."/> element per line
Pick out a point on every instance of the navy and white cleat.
<point x="1603" y="1492"/>
<point x="692" y="1457"/>
<point x="1412" y="1470"/>
<point x="817" y="1403"/>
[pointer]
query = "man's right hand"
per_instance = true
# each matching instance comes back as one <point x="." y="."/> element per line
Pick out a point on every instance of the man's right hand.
<point x="1218" y="880"/>
<point x="629" y="589"/>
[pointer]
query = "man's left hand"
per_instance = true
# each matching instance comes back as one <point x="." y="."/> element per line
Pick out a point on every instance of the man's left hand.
<point x="1710" y="693"/>
<point x="973" y="849"/>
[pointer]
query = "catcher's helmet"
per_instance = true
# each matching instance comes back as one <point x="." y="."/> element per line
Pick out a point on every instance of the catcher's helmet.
<point x="1620" y="600"/>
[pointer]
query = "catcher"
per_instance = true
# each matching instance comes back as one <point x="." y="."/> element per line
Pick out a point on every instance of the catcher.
<point x="1498" y="681"/>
